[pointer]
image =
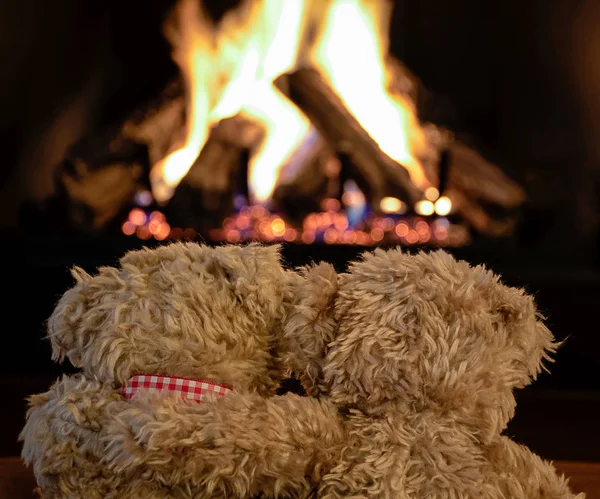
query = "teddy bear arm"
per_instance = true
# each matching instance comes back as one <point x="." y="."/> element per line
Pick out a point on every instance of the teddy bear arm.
<point x="520" y="473"/>
<point x="62" y="438"/>
<point x="241" y="445"/>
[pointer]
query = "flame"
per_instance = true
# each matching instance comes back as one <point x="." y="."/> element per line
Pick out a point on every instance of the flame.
<point x="192" y="53"/>
<point x="269" y="48"/>
<point x="285" y="131"/>
<point x="350" y="54"/>
<point x="230" y="68"/>
<point x="251" y="48"/>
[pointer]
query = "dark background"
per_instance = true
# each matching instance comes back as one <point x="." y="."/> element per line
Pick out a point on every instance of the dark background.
<point x="519" y="79"/>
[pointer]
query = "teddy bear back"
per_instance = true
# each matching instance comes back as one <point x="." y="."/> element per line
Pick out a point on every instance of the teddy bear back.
<point x="416" y="332"/>
<point x="183" y="310"/>
<point x="429" y="331"/>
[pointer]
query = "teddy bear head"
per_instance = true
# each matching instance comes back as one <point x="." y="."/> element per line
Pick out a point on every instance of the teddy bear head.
<point x="182" y="309"/>
<point x="415" y="333"/>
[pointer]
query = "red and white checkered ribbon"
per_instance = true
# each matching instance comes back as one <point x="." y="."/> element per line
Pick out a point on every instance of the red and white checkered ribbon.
<point x="189" y="389"/>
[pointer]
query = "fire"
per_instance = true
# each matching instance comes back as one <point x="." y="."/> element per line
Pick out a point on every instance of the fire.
<point x="269" y="48"/>
<point x="230" y="68"/>
<point x="192" y="53"/>
<point x="250" y="49"/>
<point x="350" y="54"/>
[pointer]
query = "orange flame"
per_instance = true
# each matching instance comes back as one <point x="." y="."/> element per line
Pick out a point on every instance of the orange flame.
<point x="269" y="46"/>
<point x="193" y="55"/>
<point x="229" y="69"/>
<point x="350" y="54"/>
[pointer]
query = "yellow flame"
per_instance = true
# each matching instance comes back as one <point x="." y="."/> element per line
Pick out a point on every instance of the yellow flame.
<point x="230" y="68"/>
<point x="254" y="46"/>
<point x="350" y="54"/>
<point x="286" y="129"/>
<point x="272" y="44"/>
<point x="193" y="55"/>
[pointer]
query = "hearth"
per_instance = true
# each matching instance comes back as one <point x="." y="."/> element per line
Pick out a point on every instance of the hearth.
<point x="289" y="121"/>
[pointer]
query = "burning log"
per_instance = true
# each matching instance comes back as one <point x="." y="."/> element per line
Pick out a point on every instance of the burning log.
<point x="99" y="179"/>
<point x="377" y="174"/>
<point x="160" y="123"/>
<point x="478" y="188"/>
<point x="206" y="194"/>
<point x="476" y="216"/>
<point x="102" y="172"/>
<point x="311" y="176"/>
<point x="480" y="180"/>
<point x="483" y="195"/>
<point x="481" y="192"/>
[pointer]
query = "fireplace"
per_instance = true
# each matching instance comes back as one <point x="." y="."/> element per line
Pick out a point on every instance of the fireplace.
<point x="492" y="92"/>
<point x="286" y="122"/>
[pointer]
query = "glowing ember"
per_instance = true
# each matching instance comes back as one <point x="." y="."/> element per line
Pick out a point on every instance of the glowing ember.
<point x="137" y="217"/>
<point x="425" y="207"/>
<point x="331" y="227"/>
<point x="431" y="193"/>
<point x="443" y="206"/>
<point x="128" y="228"/>
<point x="392" y="205"/>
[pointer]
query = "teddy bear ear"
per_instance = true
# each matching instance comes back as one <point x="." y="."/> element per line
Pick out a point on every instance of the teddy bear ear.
<point x="525" y="341"/>
<point x="521" y="347"/>
<point x="490" y="340"/>
<point x="64" y="322"/>
<point x="311" y="326"/>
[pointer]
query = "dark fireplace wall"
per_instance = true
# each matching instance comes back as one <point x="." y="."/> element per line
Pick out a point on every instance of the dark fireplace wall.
<point x="522" y="80"/>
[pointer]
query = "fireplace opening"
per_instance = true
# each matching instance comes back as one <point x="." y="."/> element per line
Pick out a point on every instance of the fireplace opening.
<point x="98" y="95"/>
<point x="286" y="122"/>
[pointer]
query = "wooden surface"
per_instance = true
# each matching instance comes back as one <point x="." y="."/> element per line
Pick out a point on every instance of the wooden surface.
<point x="584" y="477"/>
<point x="17" y="482"/>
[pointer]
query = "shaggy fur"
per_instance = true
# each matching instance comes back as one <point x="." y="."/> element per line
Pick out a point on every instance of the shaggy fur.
<point x="183" y="309"/>
<point x="411" y="362"/>
<point x="186" y="310"/>
<point x="422" y="353"/>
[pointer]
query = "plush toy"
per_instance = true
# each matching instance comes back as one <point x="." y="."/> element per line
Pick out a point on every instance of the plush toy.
<point x="410" y="363"/>
<point x="187" y="321"/>
<point x="422" y="354"/>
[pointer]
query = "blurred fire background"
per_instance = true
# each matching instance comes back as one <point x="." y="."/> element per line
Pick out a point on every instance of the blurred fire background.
<point x="520" y="79"/>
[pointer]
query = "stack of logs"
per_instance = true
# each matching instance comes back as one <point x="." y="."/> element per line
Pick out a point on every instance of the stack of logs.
<point x="482" y="194"/>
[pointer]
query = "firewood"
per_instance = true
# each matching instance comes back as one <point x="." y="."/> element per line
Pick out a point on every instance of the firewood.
<point x="377" y="174"/>
<point x="480" y="180"/>
<point x="102" y="172"/>
<point x="481" y="193"/>
<point x="159" y="123"/>
<point x="206" y="194"/>
<point x="99" y="179"/>
<point x="311" y="176"/>
<point x="475" y="214"/>
<point x="476" y="186"/>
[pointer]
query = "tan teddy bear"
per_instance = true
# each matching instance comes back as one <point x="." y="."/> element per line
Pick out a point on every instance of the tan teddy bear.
<point x="422" y="353"/>
<point x="187" y="314"/>
<point x="411" y="362"/>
